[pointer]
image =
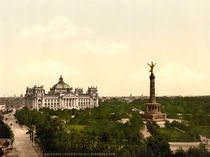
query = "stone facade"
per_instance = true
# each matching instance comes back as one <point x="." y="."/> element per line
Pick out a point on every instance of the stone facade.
<point x="153" y="109"/>
<point x="61" y="96"/>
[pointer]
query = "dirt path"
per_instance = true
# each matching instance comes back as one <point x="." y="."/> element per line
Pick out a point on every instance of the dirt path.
<point x="22" y="142"/>
<point x="145" y="132"/>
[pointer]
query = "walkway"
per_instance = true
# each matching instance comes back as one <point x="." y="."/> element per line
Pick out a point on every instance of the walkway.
<point x="22" y="141"/>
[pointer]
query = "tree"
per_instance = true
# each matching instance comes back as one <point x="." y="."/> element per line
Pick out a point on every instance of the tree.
<point x="180" y="153"/>
<point x="5" y="131"/>
<point x="159" y="146"/>
<point x="198" y="151"/>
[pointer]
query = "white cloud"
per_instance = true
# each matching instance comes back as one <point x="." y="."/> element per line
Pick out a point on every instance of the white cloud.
<point x="58" y="28"/>
<point x="172" y="71"/>
<point x="136" y="76"/>
<point x="175" y="71"/>
<point x="47" y="68"/>
<point x="63" y="33"/>
<point x="102" y="48"/>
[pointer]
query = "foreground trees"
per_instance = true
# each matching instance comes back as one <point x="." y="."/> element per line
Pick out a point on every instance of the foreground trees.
<point x="96" y="130"/>
<point x="200" y="151"/>
<point x="5" y="131"/>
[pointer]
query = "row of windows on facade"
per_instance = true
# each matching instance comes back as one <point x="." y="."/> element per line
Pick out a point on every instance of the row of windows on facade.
<point x="67" y="99"/>
<point x="82" y="99"/>
<point x="39" y="91"/>
<point x="56" y="107"/>
<point x="79" y="103"/>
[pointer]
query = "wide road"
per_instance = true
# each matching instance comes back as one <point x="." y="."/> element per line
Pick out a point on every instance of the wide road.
<point x="22" y="141"/>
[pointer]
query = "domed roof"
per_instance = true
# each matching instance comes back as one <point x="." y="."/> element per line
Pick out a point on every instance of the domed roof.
<point x="61" y="84"/>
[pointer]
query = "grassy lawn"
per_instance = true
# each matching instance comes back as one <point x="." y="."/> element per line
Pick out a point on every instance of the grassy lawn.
<point x="174" y="135"/>
<point x="77" y="127"/>
<point x="203" y="130"/>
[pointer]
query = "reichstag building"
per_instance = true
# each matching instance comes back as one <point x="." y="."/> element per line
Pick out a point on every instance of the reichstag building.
<point x="61" y="96"/>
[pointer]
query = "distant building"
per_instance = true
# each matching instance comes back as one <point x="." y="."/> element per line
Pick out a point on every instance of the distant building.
<point x="128" y="99"/>
<point x="61" y="96"/>
<point x="2" y="107"/>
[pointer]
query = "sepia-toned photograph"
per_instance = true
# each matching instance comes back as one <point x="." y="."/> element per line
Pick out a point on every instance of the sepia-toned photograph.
<point x="105" y="78"/>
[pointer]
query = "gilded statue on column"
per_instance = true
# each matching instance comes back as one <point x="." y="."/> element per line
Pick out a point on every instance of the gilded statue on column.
<point x="152" y="65"/>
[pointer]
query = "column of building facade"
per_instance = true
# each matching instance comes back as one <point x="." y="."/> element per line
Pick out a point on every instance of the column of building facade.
<point x="37" y="107"/>
<point x="60" y="102"/>
<point x="72" y="103"/>
<point x="76" y="103"/>
<point x="69" y="103"/>
<point x="42" y="103"/>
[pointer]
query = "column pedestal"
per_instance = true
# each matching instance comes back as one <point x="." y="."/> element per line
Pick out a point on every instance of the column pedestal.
<point x="153" y="109"/>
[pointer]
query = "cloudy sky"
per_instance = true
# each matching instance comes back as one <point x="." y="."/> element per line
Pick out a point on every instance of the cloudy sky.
<point x="106" y="43"/>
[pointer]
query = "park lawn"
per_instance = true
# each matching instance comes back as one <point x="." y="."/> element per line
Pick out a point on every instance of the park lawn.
<point x="203" y="130"/>
<point x="76" y="127"/>
<point x="174" y="135"/>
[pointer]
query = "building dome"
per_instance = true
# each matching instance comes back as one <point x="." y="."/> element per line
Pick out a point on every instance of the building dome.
<point x="61" y="85"/>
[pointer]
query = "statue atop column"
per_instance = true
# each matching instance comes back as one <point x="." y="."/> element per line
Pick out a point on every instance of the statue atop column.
<point x="152" y="65"/>
<point x="153" y="109"/>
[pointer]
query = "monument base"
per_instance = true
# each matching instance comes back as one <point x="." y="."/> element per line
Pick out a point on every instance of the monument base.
<point x="156" y="117"/>
<point x="153" y="113"/>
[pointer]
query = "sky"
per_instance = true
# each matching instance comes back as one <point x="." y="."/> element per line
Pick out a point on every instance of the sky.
<point x="106" y="43"/>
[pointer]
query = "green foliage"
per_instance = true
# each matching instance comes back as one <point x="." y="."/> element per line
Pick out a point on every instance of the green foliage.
<point x="174" y="135"/>
<point x="180" y="153"/>
<point x="139" y="103"/>
<point x="178" y="125"/>
<point x="197" y="152"/>
<point x="5" y="131"/>
<point x="175" y="132"/>
<point x="153" y="128"/>
<point x="100" y="130"/>
<point x="90" y="130"/>
<point x="168" y="125"/>
<point x="157" y="143"/>
<point x="194" y="110"/>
